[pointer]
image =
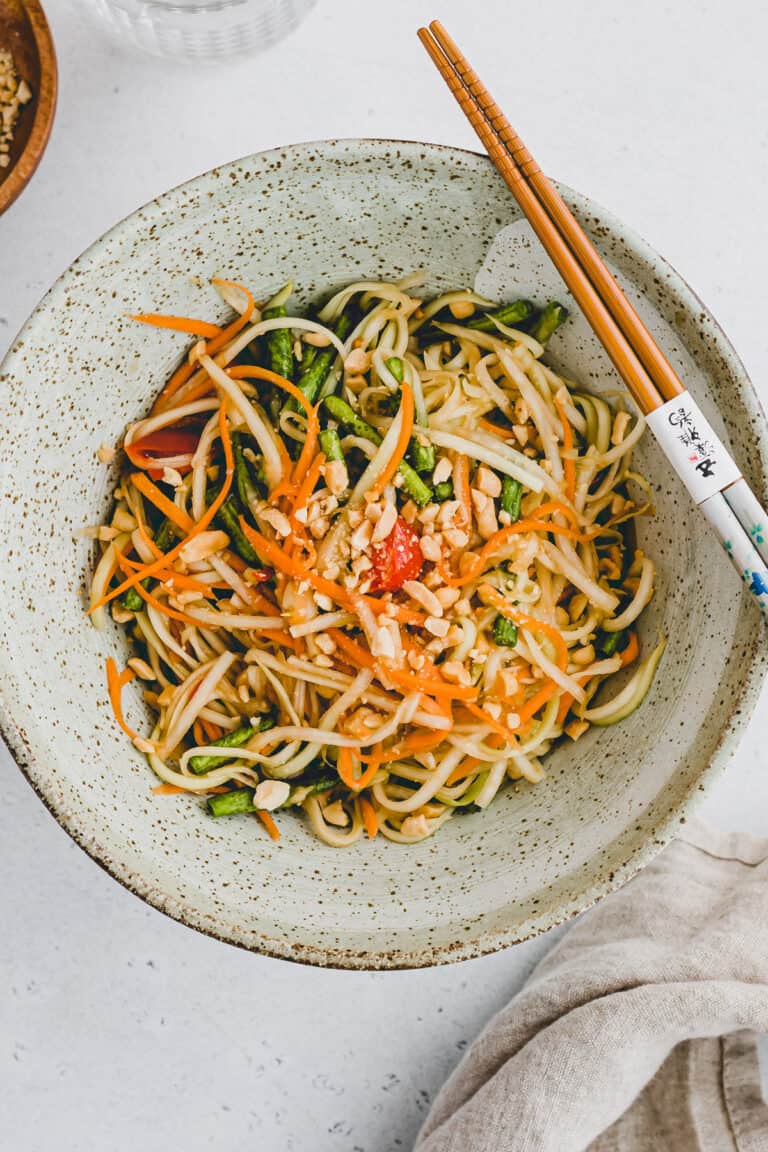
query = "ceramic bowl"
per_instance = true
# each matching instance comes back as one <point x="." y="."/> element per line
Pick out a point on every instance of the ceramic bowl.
<point x="326" y="214"/>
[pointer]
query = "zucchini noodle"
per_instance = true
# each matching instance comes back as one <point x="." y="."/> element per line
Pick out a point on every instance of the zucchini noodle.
<point x="375" y="562"/>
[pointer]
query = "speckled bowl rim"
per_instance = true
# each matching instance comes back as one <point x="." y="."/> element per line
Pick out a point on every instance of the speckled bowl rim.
<point x="485" y="942"/>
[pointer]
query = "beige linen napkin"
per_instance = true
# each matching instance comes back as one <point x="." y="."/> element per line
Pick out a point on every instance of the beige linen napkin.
<point x="636" y="1033"/>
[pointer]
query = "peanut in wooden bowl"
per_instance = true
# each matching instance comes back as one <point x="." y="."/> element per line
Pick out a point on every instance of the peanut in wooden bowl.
<point x="25" y="33"/>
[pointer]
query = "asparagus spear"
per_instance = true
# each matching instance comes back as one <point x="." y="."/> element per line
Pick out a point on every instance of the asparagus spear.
<point x="504" y="632"/>
<point x="395" y="365"/>
<point x="511" y="495"/>
<point x="413" y="484"/>
<point x="231" y="803"/>
<point x="550" y="320"/>
<point x="202" y="764"/>
<point x="312" y="378"/>
<point x="279" y="343"/>
<point x="517" y="315"/>
<point x="228" y="516"/>
<point x="330" y="444"/>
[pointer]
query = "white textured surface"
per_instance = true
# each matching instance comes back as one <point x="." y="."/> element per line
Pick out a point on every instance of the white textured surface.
<point x="120" y="1028"/>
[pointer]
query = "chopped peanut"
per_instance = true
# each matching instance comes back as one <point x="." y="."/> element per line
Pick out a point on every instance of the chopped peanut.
<point x="454" y="670"/>
<point x="415" y="826"/>
<point x="270" y="794"/>
<point x="583" y="656"/>
<point x="461" y="309"/>
<point x="385" y="523"/>
<point x="357" y="362"/>
<point x="422" y="595"/>
<point x="485" y="514"/>
<point x="576" y="728"/>
<point x="336" y="476"/>
<point x="447" y="596"/>
<point x="487" y="481"/>
<point x="141" y="668"/>
<point x="430" y="548"/>
<point x="277" y="520"/>
<point x="203" y="545"/>
<point x="106" y="453"/>
<point x="442" y="470"/>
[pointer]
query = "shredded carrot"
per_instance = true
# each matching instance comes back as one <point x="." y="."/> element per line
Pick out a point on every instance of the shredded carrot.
<point x="368" y="813"/>
<point x="307" y="486"/>
<point x="425" y="684"/>
<point x="135" y="580"/>
<point x="461" y="488"/>
<point x="403" y="439"/>
<point x="467" y="766"/>
<point x="158" y="604"/>
<point x="495" y="542"/>
<point x="269" y="824"/>
<point x="176" y="515"/>
<point x="415" y="742"/>
<point x="497" y="430"/>
<point x="197" y="732"/>
<point x="212" y="731"/>
<point x="631" y="652"/>
<point x="357" y="654"/>
<point x="232" y="329"/>
<point x="345" y="768"/>
<point x="569" y="464"/>
<point x="564" y="707"/>
<point x="116" y="681"/>
<point x="179" y="378"/>
<point x="178" y="579"/>
<point x="180" y="324"/>
<point x="502" y="605"/>
<point x="499" y="728"/>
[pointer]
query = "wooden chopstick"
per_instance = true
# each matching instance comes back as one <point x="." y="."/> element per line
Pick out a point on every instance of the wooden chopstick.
<point x="605" y="327"/>
<point x="725" y="499"/>
<point x="657" y="366"/>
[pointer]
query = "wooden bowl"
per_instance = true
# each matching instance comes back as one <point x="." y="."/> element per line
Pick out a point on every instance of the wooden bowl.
<point x="24" y="31"/>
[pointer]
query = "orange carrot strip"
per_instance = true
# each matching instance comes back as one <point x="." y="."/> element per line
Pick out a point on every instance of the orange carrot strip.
<point x="499" y="728"/>
<point x="346" y="771"/>
<point x="179" y="324"/>
<point x="467" y="766"/>
<point x="283" y="638"/>
<point x="158" y="604"/>
<point x="497" y="430"/>
<point x="499" y="538"/>
<point x="307" y="486"/>
<point x="355" y="651"/>
<point x="212" y="731"/>
<point x="232" y="329"/>
<point x="631" y="652"/>
<point x="269" y="824"/>
<point x="425" y="684"/>
<point x="115" y="682"/>
<point x="178" y="579"/>
<point x="197" y="733"/>
<point x="368" y="813"/>
<point x="403" y="439"/>
<point x="150" y="570"/>
<point x="564" y="707"/>
<point x="141" y="481"/>
<point x="569" y="464"/>
<point x="538" y="700"/>
<point x="461" y="488"/>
